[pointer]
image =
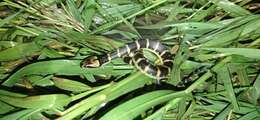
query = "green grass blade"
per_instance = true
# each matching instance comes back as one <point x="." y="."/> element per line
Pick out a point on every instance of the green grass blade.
<point x="224" y="113"/>
<point x="5" y="108"/>
<point x="246" y="52"/>
<point x="59" y="67"/>
<point x="250" y="116"/>
<point x="57" y="101"/>
<point x="107" y="95"/>
<point x="19" y="51"/>
<point x="18" y="115"/>
<point x="224" y="75"/>
<point x="131" y="109"/>
<point x="88" y="13"/>
<point x="169" y="106"/>
<point x="231" y="7"/>
<point x="9" y="18"/>
<point x="256" y="90"/>
<point x="156" y="3"/>
<point x="70" y="85"/>
<point x="73" y="11"/>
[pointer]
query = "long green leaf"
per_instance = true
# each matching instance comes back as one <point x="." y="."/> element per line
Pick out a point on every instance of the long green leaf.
<point x="131" y="109"/>
<point x="224" y="76"/>
<point x="107" y="95"/>
<point x="60" y="67"/>
<point x="70" y="85"/>
<point x="256" y="90"/>
<point x="57" y="101"/>
<point x="231" y="7"/>
<point x="246" y="52"/>
<point x="19" y="51"/>
<point x="19" y="114"/>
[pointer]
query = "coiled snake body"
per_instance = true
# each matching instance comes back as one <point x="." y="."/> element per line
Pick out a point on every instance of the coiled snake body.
<point x="132" y="54"/>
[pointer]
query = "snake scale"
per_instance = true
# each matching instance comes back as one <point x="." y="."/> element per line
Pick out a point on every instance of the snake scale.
<point x="132" y="54"/>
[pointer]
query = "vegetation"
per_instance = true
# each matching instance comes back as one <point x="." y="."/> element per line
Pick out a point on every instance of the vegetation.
<point x="42" y="43"/>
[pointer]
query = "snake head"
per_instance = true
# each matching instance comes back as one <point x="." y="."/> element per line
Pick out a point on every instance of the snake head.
<point x="90" y="62"/>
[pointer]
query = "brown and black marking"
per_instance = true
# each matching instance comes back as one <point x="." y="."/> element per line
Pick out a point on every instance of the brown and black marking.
<point x="131" y="53"/>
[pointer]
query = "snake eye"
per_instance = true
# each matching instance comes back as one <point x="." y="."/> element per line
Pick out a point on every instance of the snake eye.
<point x="90" y="62"/>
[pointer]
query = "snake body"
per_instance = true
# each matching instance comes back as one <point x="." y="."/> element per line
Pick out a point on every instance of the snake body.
<point x="132" y="54"/>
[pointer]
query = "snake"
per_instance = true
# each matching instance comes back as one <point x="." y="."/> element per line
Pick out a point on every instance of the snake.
<point x="133" y="53"/>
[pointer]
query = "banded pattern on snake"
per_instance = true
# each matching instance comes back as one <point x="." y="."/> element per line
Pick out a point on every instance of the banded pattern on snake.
<point x="132" y="54"/>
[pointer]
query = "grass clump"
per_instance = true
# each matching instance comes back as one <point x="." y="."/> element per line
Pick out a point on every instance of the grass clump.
<point x="43" y="42"/>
